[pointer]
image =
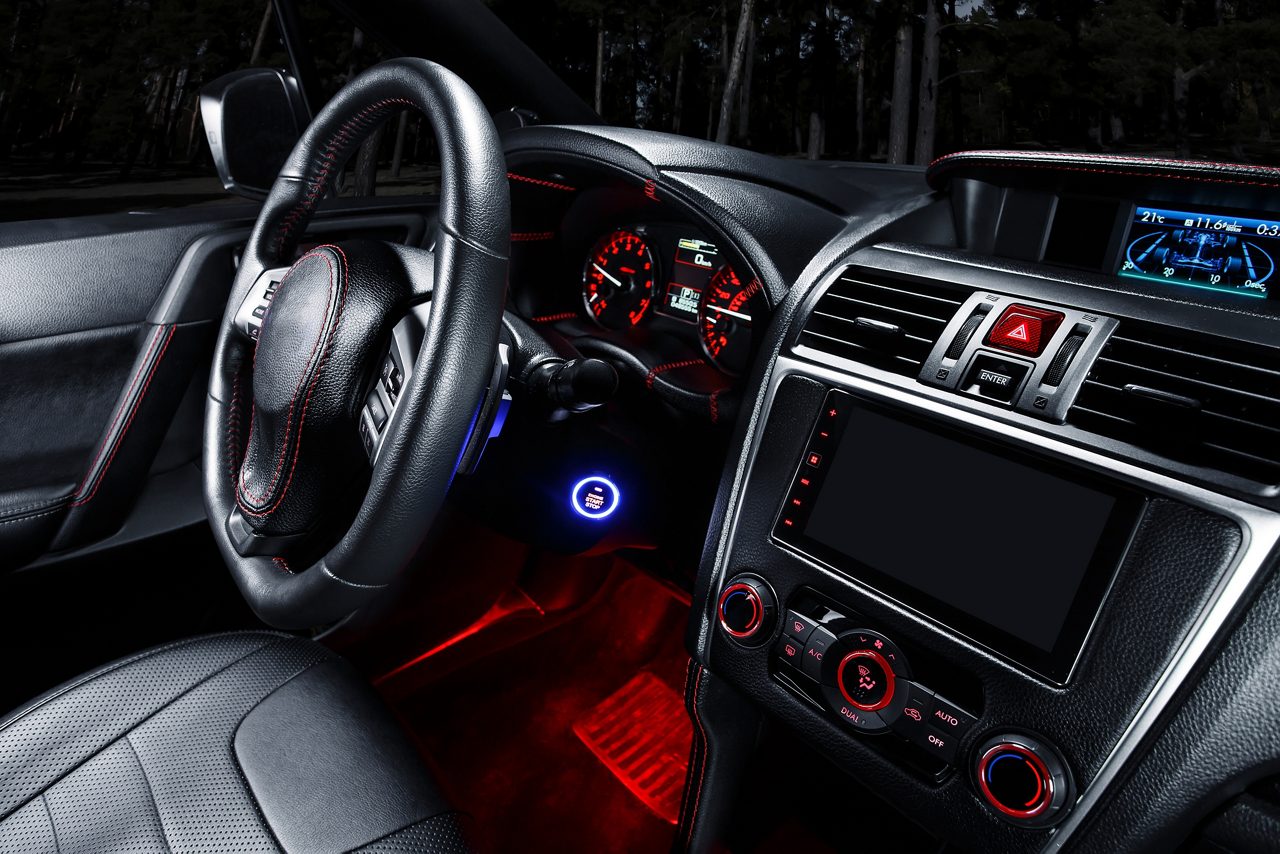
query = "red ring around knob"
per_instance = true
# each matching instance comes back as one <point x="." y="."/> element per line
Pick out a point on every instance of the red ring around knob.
<point x="757" y="609"/>
<point x="888" y="677"/>
<point x="1044" y="792"/>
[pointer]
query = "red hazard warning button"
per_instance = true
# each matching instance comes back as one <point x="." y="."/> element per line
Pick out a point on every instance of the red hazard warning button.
<point x="1025" y="329"/>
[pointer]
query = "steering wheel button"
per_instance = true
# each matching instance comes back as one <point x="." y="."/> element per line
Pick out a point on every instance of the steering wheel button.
<point x="377" y="411"/>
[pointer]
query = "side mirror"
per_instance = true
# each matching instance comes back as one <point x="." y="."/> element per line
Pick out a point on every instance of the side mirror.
<point x="252" y="118"/>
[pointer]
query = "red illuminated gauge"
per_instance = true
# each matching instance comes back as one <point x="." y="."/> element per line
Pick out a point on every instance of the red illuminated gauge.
<point x="724" y="318"/>
<point x="617" y="282"/>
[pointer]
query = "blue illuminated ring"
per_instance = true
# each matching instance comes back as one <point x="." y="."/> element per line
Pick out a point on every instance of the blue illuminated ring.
<point x="609" y="506"/>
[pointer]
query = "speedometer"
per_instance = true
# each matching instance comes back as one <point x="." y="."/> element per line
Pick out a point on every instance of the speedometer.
<point x="724" y="320"/>
<point x="617" y="281"/>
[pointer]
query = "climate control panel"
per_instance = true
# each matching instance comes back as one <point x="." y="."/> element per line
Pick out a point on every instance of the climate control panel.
<point x="866" y="681"/>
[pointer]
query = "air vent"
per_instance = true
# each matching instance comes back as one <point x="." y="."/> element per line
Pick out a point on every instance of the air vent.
<point x="1197" y="398"/>
<point x="884" y="321"/>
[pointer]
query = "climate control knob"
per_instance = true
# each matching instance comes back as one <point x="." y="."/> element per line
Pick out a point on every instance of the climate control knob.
<point x="866" y="680"/>
<point x="1023" y="779"/>
<point x="747" y="609"/>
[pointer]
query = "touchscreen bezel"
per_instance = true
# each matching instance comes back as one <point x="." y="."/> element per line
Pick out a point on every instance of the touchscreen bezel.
<point x="1055" y="665"/>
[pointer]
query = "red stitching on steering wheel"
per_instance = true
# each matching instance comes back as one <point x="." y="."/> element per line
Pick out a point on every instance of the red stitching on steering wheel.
<point x="243" y="495"/>
<point x="330" y="157"/>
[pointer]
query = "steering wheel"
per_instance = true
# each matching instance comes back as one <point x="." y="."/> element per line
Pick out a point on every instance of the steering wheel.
<point x="347" y="385"/>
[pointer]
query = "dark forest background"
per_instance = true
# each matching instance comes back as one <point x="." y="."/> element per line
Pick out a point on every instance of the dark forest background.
<point x="98" y="97"/>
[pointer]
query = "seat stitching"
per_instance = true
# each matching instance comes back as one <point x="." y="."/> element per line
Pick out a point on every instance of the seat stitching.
<point x="67" y="772"/>
<point x="412" y="824"/>
<point x="53" y="828"/>
<point x="235" y="758"/>
<point x="112" y="668"/>
<point x="146" y="778"/>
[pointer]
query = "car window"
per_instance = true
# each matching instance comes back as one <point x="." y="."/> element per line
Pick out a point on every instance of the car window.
<point x="401" y="158"/>
<point x="98" y="100"/>
<point x="903" y="82"/>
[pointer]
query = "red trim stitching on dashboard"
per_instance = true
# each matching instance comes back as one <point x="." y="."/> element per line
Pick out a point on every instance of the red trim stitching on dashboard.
<point x="150" y="371"/>
<point x="552" y="318"/>
<point x="702" y="770"/>
<point x="1101" y="170"/>
<point x="282" y="564"/>
<point x="669" y="366"/>
<point x="530" y="236"/>
<point x="715" y="405"/>
<point x="340" y="283"/>
<point x="539" y="182"/>
<point x="983" y="155"/>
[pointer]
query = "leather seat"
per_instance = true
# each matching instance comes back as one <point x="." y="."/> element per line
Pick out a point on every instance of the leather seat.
<point x="252" y="741"/>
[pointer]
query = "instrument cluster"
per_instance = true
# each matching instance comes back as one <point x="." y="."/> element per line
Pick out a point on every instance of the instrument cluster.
<point x="639" y="274"/>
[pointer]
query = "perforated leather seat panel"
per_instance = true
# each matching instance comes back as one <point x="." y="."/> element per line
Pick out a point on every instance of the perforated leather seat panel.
<point x="231" y="743"/>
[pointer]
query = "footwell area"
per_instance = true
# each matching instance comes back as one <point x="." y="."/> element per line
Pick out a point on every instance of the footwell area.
<point x="503" y="728"/>
<point x="641" y="733"/>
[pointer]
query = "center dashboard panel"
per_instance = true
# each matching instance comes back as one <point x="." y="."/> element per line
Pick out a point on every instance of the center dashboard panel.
<point x="927" y="577"/>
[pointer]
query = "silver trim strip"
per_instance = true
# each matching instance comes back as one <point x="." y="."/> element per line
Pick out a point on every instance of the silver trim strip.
<point x="1260" y="529"/>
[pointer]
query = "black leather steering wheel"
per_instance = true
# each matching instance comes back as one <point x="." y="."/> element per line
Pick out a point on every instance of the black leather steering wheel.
<point x="314" y="505"/>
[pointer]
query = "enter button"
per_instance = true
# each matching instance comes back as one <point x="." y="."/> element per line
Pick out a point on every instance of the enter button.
<point x="995" y="378"/>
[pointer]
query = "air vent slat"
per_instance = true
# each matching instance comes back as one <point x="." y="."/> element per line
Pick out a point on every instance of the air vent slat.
<point x="886" y="321"/>
<point x="1208" y="401"/>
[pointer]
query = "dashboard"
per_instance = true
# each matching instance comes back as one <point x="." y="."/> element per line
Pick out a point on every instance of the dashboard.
<point x="994" y="529"/>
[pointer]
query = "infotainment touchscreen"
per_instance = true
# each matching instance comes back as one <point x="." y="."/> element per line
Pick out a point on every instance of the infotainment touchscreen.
<point x="1003" y="548"/>
<point x="1230" y="253"/>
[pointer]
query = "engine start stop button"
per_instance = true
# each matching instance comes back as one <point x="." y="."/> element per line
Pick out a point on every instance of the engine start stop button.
<point x="594" y="497"/>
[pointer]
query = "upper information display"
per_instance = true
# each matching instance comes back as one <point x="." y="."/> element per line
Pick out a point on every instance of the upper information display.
<point x="1212" y="251"/>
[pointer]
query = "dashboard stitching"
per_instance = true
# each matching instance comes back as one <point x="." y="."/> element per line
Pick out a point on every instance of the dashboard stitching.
<point x="552" y="318"/>
<point x="529" y="236"/>
<point x="539" y="182"/>
<point x="1045" y="157"/>
<point x="1101" y="170"/>
<point x="706" y="748"/>
<point x="669" y="366"/>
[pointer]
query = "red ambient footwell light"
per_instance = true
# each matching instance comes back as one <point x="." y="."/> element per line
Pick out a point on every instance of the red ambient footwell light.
<point x="642" y="734"/>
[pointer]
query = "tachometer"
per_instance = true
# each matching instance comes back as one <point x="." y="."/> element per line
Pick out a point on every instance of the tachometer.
<point x="617" y="282"/>
<point x="724" y="319"/>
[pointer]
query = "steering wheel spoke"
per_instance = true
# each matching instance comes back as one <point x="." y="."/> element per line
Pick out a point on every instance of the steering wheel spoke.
<point x="255" y="305"/>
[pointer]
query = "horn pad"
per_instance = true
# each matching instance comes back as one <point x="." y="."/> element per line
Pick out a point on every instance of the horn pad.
<point x="328" y="324"/>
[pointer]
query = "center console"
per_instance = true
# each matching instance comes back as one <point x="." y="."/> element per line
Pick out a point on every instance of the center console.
<point x="936" y="578"/>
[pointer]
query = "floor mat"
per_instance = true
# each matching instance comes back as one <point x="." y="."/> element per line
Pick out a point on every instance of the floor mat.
<point x="502" y="729"/>
<point x="642" y="734"/>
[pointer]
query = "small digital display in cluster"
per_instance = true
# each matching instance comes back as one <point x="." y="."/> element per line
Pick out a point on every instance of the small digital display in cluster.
<point x="1217" y="252"/>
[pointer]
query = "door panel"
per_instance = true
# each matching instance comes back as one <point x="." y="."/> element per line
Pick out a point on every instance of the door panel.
<point x="103" y="336"/>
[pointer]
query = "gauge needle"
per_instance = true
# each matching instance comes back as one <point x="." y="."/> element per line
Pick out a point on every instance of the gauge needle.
<point x="605" y="273"/>
<point x="731" y="313"/>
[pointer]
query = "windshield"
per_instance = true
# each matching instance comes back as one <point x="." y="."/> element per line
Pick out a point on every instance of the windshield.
<point x="905" y="82"/>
